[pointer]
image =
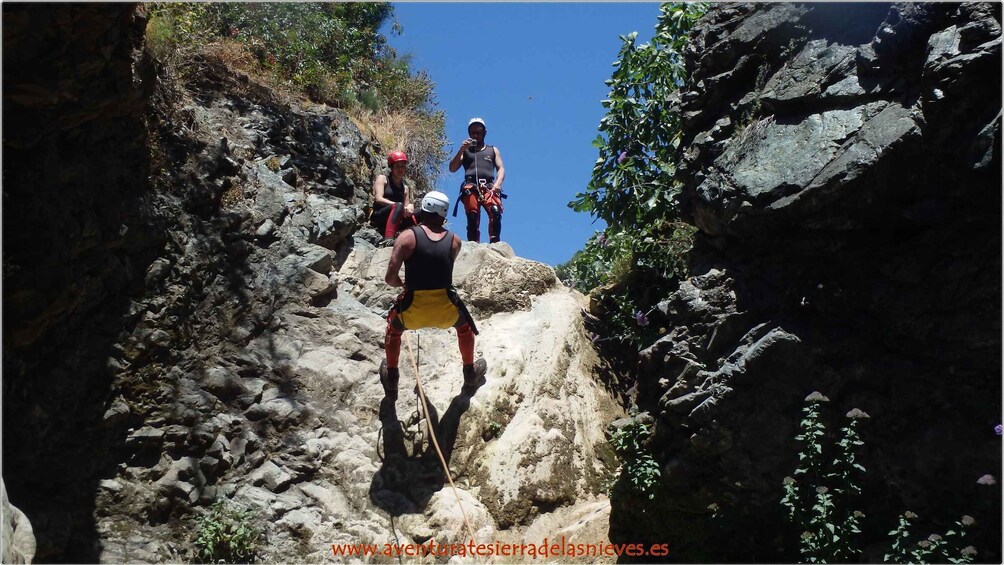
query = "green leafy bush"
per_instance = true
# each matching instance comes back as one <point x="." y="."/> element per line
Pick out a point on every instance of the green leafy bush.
<point x="633" y="181"/>
<point x="932" y="549"/>
<point x="329" y="52"/>
<point x="822" y="497"/>
<point x="227" y="535"/>
<point x="633" y="188"/>
<point x="823" y="500"/>
<point x="332" y="51"/>
<point x="638" y="471"/>
<point x="174" y="28"/>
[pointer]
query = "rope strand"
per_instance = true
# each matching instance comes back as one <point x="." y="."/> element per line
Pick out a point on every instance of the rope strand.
<point x="432" y="434"/>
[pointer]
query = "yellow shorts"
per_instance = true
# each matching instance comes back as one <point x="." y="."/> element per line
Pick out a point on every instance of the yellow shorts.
<point x="430" y="309"/>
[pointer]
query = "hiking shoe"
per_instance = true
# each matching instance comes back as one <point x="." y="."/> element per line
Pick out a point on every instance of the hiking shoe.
<point x="474" y="376"/>
<point x="389" y="379"/>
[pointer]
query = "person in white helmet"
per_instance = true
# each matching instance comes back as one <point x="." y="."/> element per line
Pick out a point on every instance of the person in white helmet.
<point x="484" y="174"/>
<point x="429" y="300"/>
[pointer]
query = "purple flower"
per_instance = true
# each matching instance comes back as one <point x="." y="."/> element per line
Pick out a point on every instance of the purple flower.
<point x="622" y="157"/>
<point x="998" y="429"/>
<point x="816" y="396"/>
<point x="987" y="481"/>
<point x="641" y="318"/>
<point x="601" y="240"/>
<point x="857" y="413"/>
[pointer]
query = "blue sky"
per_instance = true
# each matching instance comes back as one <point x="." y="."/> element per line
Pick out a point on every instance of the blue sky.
<point x="534" y="72"/>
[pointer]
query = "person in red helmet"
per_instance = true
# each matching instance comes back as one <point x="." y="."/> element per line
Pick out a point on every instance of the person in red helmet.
<point x="482" y="186"/>
<point x="392" y="207"/>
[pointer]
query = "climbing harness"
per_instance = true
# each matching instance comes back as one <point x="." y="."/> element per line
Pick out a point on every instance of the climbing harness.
<point x="478" y="187"/>
<point x="404" y="301"/>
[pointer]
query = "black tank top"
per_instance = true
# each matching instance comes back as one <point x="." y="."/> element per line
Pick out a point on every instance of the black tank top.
<point x="431" y="265"/>
<point x="393" y="193"/>
<point x="480" y="164"/>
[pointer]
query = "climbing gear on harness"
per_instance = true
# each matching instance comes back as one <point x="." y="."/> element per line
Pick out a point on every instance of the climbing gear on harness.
<point x="474" y="376"/>
<point x="395" y="157"/>
<point x="389" y="378"/>
<point x="476" y="197"/>
<point x="436" y="202"/>
<point x="478" y="191"/>
<point x="391" y="219"/>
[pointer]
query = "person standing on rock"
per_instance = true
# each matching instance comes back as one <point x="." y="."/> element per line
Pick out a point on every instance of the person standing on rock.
<point x="392" y="207"/>
<point x="428" y="252"/>
<point x="482" y="186"/>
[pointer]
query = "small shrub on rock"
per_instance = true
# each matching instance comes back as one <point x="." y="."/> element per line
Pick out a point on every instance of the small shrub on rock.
<point x="227" y="535"/>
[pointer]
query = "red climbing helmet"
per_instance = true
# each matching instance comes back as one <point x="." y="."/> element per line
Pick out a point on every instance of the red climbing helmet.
<point x="396" y="157"/>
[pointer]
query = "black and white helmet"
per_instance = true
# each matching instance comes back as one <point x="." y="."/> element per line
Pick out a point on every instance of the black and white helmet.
<point x="436" y="202"/>
<point x="476" y="121"/>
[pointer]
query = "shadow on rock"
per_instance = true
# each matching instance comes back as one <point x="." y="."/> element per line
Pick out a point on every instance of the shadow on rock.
<point x="411" y="472"/>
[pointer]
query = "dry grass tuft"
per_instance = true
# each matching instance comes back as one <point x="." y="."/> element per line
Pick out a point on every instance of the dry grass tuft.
<point x="233" y="194"/>
<point x="234" y="55"/>
<point x="411" y="133"/>
<point x="230" y="61"/>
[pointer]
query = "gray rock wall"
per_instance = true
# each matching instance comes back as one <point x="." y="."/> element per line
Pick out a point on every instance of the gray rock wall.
<point x="842" y="162"/>
<point x="77" y="238"/>
<point x="149" y="231"/>
<point x="196" y="315"/>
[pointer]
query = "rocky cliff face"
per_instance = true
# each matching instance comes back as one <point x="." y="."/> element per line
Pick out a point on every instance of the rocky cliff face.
<point x="79" y="231"/>
<point x="193" y="314"/>
<point x="842" y="163"/>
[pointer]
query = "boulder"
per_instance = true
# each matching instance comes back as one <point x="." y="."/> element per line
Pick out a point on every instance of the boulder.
<point x="18" y="538"/>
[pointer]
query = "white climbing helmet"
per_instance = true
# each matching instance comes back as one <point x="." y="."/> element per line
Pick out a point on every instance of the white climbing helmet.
<point x="436" y="202"/>
<point x="476" y="121"/>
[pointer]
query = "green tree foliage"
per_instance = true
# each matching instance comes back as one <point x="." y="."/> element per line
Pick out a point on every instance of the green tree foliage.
<point x="330" y="52"/>
<point x="633" y="181"/>
<point x="633" y="188"/>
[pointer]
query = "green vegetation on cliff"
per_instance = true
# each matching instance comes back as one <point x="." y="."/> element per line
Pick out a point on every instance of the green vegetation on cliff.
<point x="330" y="53"/>
<point x="633" y="187"/>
